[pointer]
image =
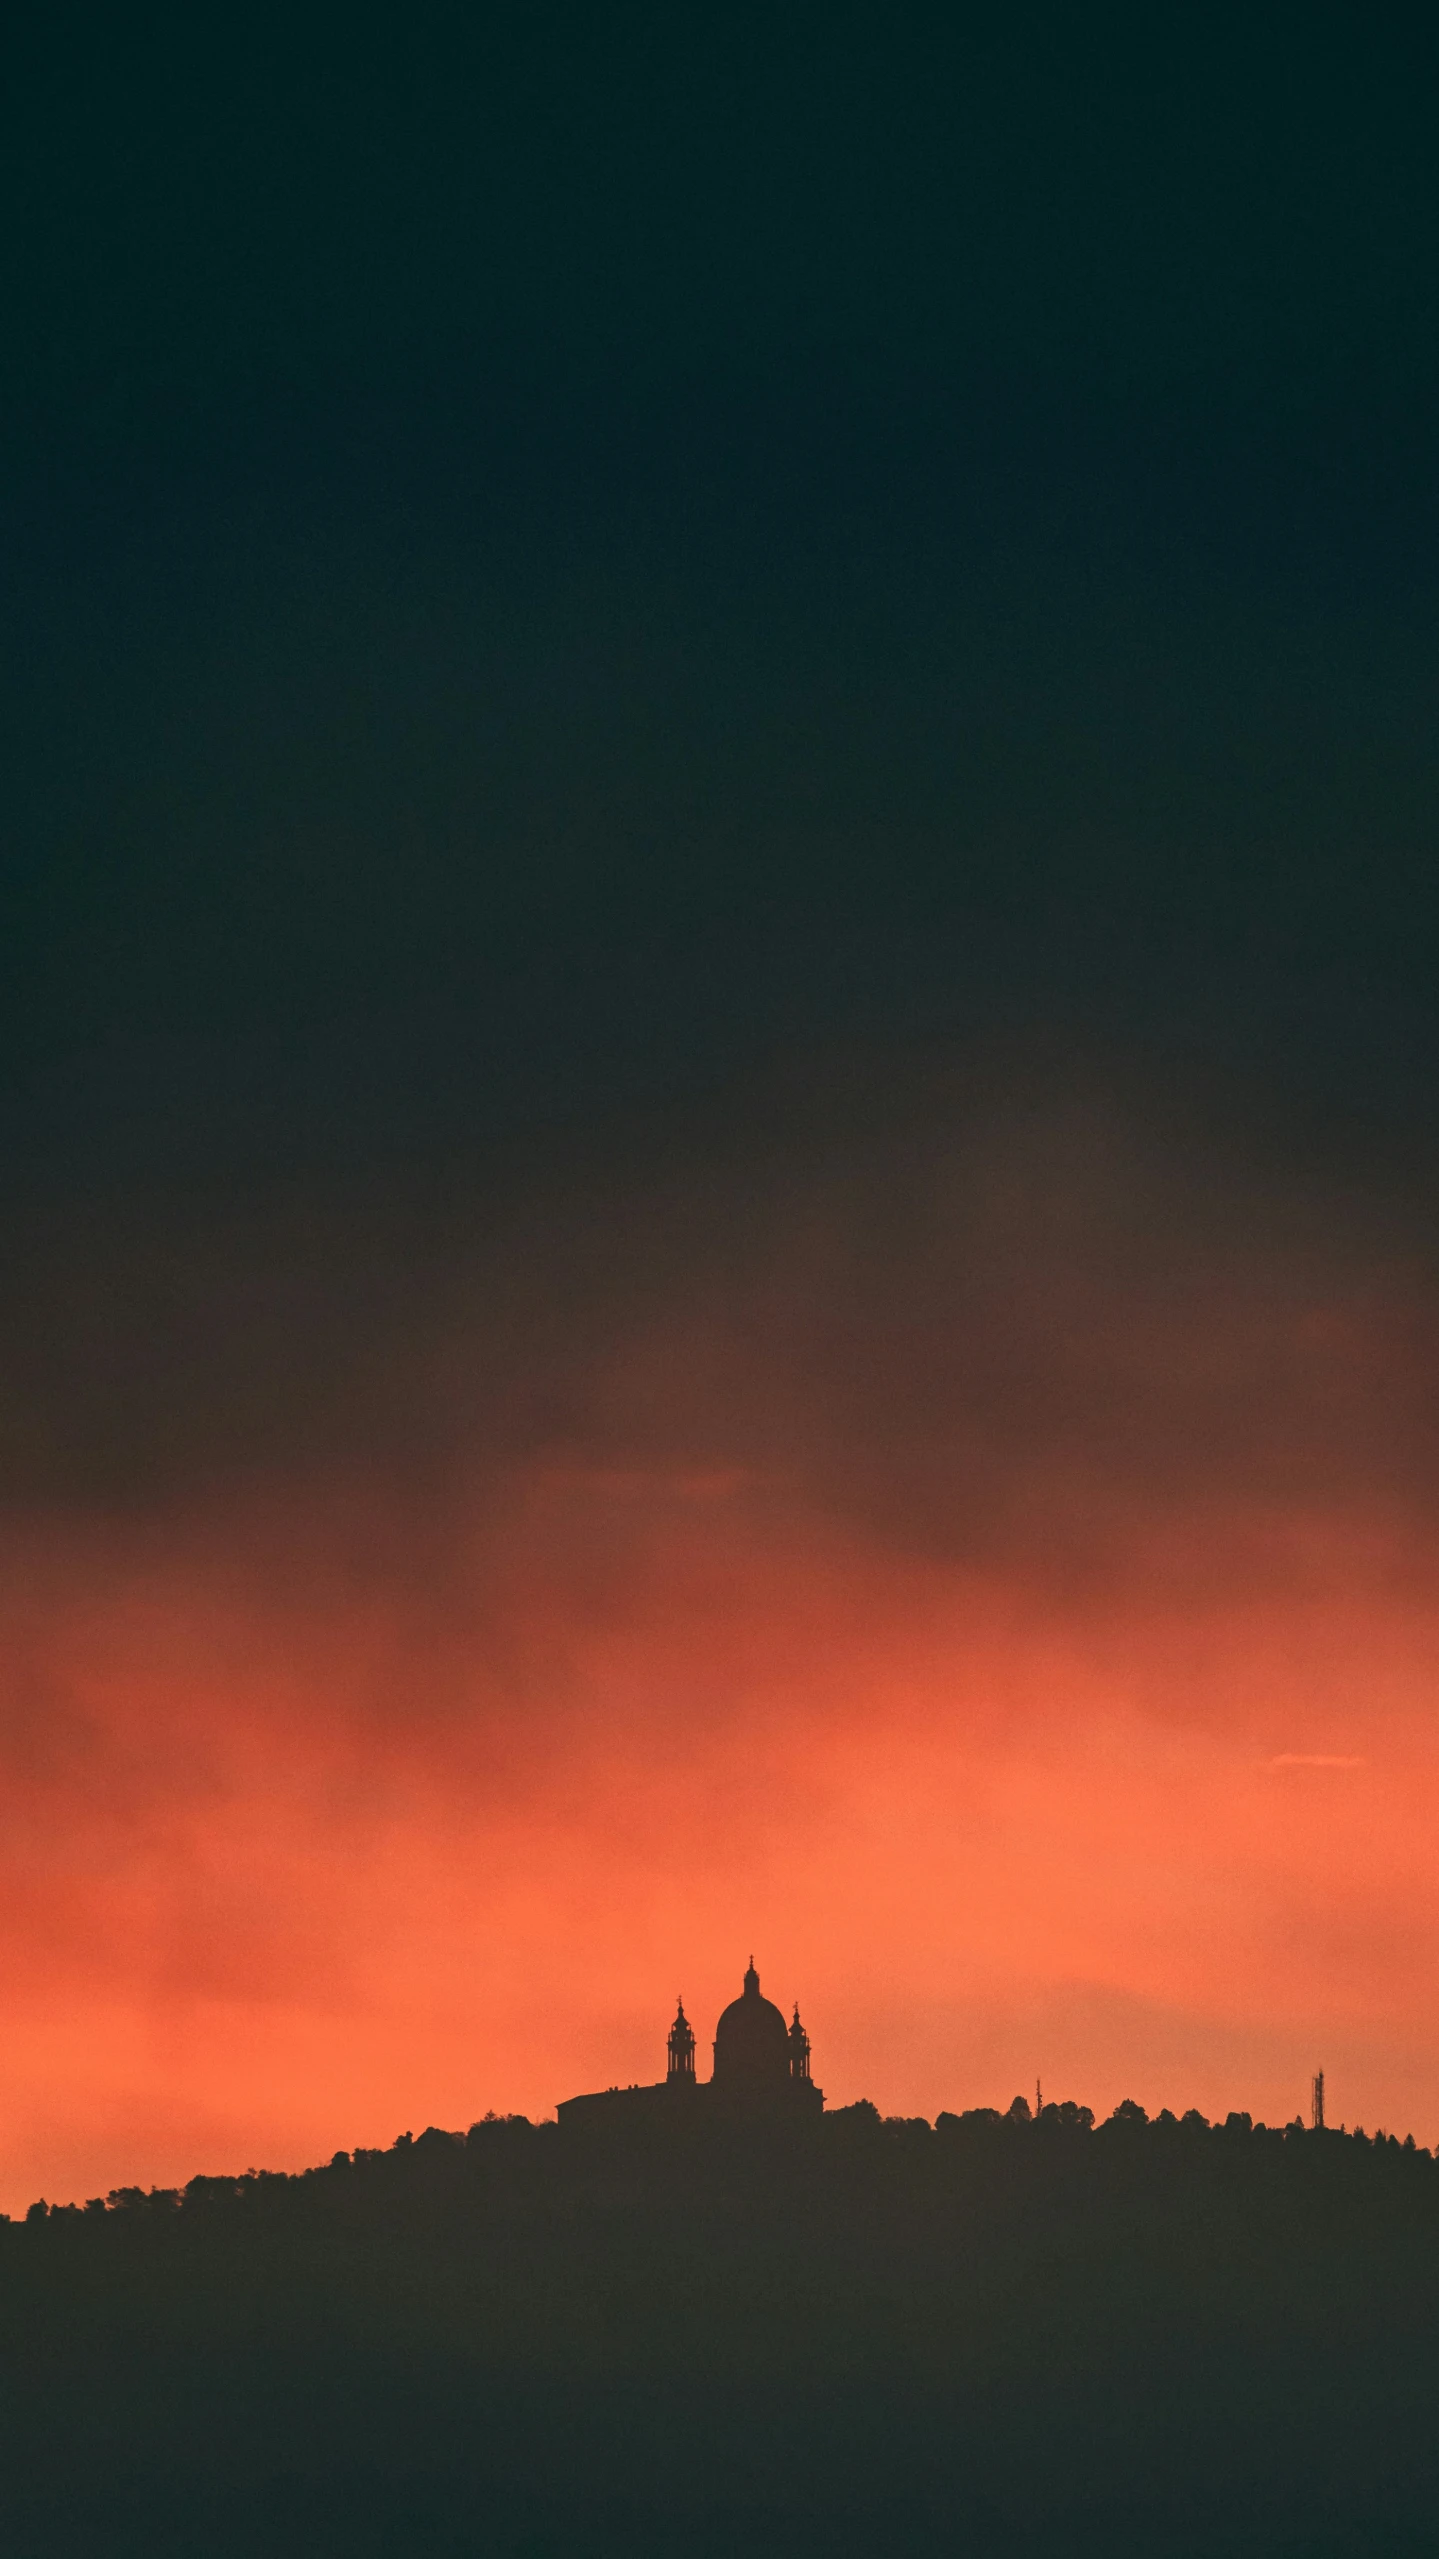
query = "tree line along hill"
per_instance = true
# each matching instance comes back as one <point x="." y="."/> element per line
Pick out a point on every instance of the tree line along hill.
<point x="997" y="2335"/>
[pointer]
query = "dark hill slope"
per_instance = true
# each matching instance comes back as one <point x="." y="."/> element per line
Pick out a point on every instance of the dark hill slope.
<point x="990" y="2337"/>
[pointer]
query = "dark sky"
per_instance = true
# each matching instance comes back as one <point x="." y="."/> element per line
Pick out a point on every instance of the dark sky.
<point x="553" y="557"/>
<point x="718" y="1059"/>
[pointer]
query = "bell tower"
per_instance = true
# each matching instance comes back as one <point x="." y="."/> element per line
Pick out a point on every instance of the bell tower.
<point x="798" y="2048"/>
<point x="681" y="2072"/>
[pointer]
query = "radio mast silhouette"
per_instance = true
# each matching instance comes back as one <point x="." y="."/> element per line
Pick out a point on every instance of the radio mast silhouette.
<point x="1316" y="2102"/>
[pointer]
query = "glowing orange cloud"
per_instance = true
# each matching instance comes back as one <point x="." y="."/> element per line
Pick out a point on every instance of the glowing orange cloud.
<point x="1019" y="1633"/>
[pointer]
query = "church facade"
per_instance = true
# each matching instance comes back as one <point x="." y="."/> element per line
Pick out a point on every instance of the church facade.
<point x="761" y="2074"/>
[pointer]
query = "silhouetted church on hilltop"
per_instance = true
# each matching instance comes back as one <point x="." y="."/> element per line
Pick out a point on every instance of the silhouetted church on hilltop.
<point x="761" y="2073"/>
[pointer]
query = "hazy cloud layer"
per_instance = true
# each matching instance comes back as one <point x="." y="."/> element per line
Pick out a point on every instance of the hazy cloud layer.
<point x="946" y="1539"/>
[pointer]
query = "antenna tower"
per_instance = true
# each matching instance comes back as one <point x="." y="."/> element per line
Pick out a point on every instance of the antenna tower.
<point x="1316" y="2102"/>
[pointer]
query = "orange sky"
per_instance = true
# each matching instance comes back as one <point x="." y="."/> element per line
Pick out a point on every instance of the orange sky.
<point x="996" y="1592"/>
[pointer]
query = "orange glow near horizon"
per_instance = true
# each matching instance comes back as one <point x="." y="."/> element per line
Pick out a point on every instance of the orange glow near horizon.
<point x="1066" y="1714"/>
<point x="1179" y="1856"/>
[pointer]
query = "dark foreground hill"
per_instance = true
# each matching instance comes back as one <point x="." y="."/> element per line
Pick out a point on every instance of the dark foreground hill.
<point x="992" y="2337"/>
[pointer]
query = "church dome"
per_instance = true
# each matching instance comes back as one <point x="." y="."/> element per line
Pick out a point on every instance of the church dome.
<point x="752" y="2041"/>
